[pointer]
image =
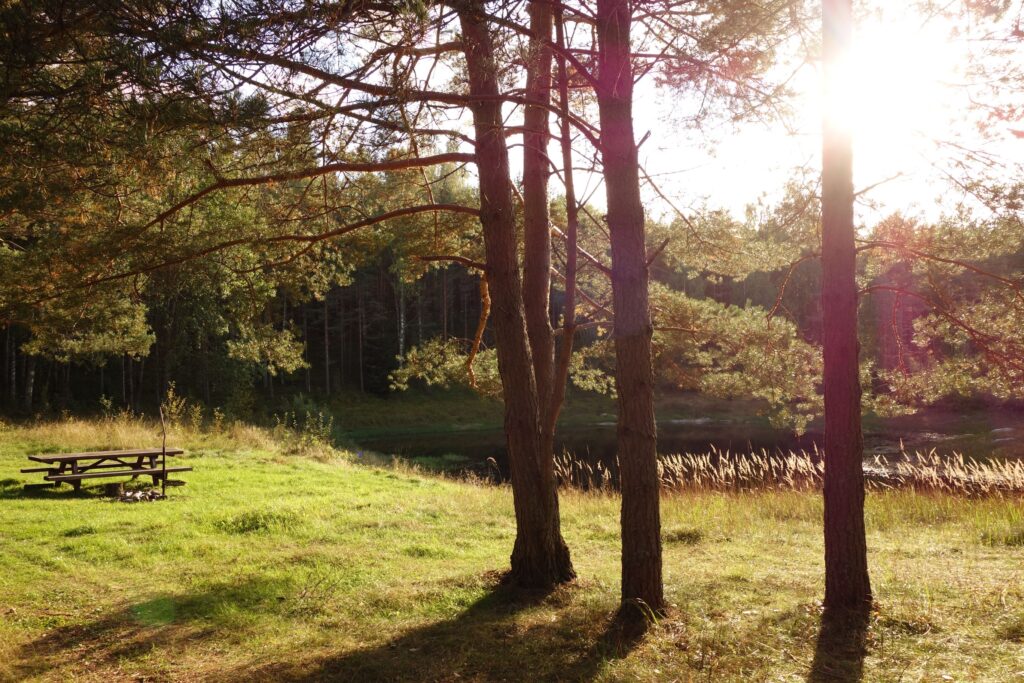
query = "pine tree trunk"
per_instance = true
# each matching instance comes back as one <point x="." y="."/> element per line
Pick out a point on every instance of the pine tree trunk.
<point x="564" y="356"/>
<point x="12" y="374"/>
<point x="305" y="338"/>
<point x="536" y="229"/>
<point x="361" y="333"/>
<point x="537" y="224"/>
<point x="419" y="315"/>
<point x="131" y="385"/>
<point x="444" y="304"/>
<point x="400" y="306"/>
<point x="30" y="381"/>
<point x="847" y="585"/>
<point x="64" y="386"/>
<point x="634" y="379"/>
<point x="540" y="557"/>
<point x="140" y="385"/>
<point x="327" y="346"/>
<point x="341" y="339"/>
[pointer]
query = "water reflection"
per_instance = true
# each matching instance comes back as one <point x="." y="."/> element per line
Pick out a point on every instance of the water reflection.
<point x="471" y="448"/>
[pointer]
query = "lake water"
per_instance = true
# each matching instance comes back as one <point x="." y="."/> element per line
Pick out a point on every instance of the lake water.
<point x="982" y="436"/>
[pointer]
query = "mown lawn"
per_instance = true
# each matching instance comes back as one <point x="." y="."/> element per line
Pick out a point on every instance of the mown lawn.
<point x="277" y="563"/>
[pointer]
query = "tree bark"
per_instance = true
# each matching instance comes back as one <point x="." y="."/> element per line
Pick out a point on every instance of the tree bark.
<point x="634" y="379"/>
<point x="327" y="346"/>
<point x="540" y="557"/>
<point x="536" y="230"/>
<point x="847" y="585"/>
<point x="306" y="354"/>
<point x="400" y="306"/>
<point x="361" y="332"/>
<point x="12" y="371"/>
<point x="30" y="381"/>
<point x="444" y="303"/>
<point x="561" y="371"/>
<point x="342" y="343"/>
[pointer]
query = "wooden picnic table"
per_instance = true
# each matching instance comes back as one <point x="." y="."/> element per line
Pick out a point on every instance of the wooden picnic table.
<point x="74" y="467"/>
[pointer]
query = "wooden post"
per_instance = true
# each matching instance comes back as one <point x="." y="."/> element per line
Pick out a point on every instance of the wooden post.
<point x="163" y="453"/>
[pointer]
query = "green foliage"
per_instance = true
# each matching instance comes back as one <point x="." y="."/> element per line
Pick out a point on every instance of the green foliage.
<point x="173" y="406"/>
<point x="441" y="363"/>
<point x="313" y="434"/>
<point x="591" y="367"/>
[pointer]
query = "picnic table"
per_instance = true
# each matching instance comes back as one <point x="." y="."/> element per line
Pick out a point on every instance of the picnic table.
<point x="74" y="467"/>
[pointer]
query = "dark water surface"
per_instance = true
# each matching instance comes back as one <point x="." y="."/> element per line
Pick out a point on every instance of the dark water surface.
<point x="977" y="435"/>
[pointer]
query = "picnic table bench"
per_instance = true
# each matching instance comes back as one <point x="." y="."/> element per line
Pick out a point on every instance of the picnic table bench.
<point x="74" y="467"/>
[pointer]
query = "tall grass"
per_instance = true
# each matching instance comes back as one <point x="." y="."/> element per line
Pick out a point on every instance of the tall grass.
<point x="124" y="429"/>
<point x="719" y="470"/>
<point x="715" y="470"/>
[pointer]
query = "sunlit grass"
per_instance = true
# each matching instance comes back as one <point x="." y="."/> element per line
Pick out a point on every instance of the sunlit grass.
<point x="271" y="564"/>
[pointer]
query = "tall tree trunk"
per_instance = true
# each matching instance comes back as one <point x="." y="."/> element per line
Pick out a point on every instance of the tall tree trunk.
<point x="540" y="557"/>
<point x="536" y="229"/>
<point x="634" y="379"/>
<point x="131" y="385"/>
<point x="361" y="332"/>
<point x="341" y="339"/>
<point x="847" y="585"/>
<point x="140" y="385"/>
<point x="63" y="386"/>
<point x="305" y="339"/>
<point x="444" y="303"/>
<point x="12" y="373"/>
<point x="30" y="381"/>
<point x="561" y="372"/>
<point x="327" y="346"/>
<point x="400" y="306"/>
<point x="419" y="314"/>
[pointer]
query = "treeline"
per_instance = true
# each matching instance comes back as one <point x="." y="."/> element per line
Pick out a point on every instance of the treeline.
<point x="352" y="340"/>
<point x="356" y="335"/>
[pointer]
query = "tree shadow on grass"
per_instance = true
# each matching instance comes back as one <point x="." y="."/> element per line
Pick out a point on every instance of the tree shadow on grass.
<point x="168" y="623"/>
<point x="14" y="489"/>
<point x="841" y="647"/>
<point x="506" y="635"/>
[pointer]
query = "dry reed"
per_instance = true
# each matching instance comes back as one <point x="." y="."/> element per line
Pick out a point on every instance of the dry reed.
<point x="719" y="470"/>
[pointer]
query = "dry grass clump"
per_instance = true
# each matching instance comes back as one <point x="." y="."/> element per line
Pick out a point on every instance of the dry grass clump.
<point x="126" y="429"/>
<point x="953" y="473"/>
<point x="719" y="470"/>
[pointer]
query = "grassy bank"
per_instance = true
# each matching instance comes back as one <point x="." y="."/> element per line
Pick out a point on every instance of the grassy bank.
<point x="285" y="560"/>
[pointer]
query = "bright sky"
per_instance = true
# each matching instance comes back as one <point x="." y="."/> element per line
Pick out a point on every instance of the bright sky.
<point x="909" y="90"/>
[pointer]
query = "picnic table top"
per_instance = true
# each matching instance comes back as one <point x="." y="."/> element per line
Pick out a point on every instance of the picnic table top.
<point x="103" y="455"/>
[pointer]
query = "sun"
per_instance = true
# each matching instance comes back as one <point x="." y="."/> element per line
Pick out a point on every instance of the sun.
<point x="899" y="90"/>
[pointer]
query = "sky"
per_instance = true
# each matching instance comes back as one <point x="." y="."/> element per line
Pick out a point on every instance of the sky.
<point x="908" y="90"/>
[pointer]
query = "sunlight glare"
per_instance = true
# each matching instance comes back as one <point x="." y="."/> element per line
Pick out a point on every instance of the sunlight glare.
<point x="897" y="90"/>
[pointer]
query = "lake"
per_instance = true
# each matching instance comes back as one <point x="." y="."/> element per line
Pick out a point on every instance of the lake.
<point x="981" y="435"/>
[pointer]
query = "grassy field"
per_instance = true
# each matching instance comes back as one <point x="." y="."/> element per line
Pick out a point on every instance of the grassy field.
<point x="285" y="560"/>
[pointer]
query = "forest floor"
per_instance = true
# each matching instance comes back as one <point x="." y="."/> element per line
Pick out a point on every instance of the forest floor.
<point x="283" y="559"/>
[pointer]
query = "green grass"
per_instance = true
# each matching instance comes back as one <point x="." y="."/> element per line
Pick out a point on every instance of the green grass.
<point x="281" y="563"/>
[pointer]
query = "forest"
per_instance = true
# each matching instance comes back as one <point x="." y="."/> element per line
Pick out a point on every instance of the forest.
<point x="536" y="327"/>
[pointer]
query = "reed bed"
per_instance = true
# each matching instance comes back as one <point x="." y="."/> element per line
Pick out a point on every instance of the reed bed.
<point x="722" y="470"/>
